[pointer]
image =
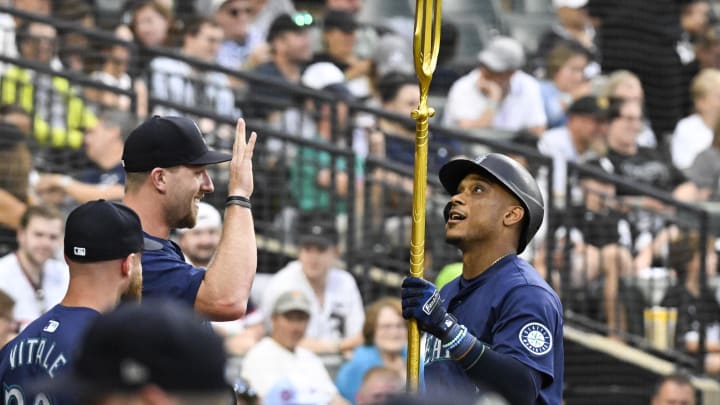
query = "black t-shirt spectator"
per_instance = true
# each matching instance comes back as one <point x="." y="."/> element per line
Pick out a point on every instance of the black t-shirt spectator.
<point x="648" y="167"/>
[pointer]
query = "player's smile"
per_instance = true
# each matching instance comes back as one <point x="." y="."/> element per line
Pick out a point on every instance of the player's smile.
<point x="455" y="216"/>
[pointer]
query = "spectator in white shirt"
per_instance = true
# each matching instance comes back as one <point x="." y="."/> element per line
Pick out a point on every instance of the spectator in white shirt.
<point x="277" y="365"/>
<point x="694" y="133"/>
<point x="31" y="275"/>
<point x="497" y="94"/>
<point x="337" y="315"/>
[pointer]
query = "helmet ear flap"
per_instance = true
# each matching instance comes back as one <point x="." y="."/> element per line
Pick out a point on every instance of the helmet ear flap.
<point x="446" y="211"/>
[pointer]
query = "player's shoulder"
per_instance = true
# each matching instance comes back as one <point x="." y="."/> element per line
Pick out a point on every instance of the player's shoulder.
<point x="518" y="273"/>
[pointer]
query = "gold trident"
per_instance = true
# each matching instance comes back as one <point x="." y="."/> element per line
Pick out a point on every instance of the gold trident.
<point x="426" y="45"/>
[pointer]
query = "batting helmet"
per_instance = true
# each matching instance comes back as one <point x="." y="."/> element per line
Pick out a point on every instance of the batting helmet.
<point x="510" y="174"/>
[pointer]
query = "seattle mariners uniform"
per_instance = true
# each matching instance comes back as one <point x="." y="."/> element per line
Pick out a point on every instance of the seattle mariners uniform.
<point x="102" y="240"/>
<point x="498" y="327"/>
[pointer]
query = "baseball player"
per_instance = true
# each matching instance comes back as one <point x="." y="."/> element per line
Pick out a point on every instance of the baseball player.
<point x="499" y="326"/>
<point x="103" y="241"/>
<point x="166" y="160"/>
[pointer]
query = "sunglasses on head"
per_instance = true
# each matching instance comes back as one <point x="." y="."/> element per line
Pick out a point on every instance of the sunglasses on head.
<point x="302" y="18"/>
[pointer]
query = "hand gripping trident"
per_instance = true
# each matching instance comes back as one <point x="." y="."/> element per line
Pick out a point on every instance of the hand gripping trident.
<point x="426" y="45"/>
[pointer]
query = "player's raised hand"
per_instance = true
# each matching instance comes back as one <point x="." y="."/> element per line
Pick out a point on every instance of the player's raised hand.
<point x="421" y="301"/>
<point x="241" y="173"/>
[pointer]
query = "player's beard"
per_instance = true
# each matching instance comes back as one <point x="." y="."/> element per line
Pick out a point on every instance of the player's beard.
<point x="187" y="215"/>
<point x="134" y="290"/>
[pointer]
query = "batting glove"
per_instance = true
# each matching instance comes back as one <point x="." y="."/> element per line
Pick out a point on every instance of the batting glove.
<point x="421" y="301"/>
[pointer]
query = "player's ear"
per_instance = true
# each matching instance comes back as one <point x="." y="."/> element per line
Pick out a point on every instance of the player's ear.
<point x="128" y="263"/>
<point x="158" y="177"/>
<point x="514" y="215"/>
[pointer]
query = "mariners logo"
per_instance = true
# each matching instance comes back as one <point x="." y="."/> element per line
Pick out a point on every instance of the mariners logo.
<point x="536" y="338"/>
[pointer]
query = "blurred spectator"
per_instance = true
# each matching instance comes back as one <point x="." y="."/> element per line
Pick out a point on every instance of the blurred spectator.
<point x="280" y="360"/>
<point x="573" y="27"/>
<point x="378" y="384"/>
<point x="393" y="54"/>
<point x="179" y="82"/>
<point x="565" y="81"/>
<point x="8" y="24"/>
<point x="336" y="308"/>
<point x="577" y="141"/>
<point x="199" y="242"/>
<point x="73" y="46"/>
<point x="239" y="37"/>
<point x="639" y="164"/>
<point x="103" y="146"/>
<point x="8" y="325"/>
<point x="31" y="275"/>
<point x="625" y="85"/>
<point x="114" y="72"/>
<point x="15" y="169"/>
<point x="385" y="338"/>
<point x="103" y="242"/>
<point x="198" y="245"/>
<point x="290" y="50"/>
<point x="338" y="40"/>
<point x="694" y="19"/>
<point x="152" y="25"/>
<point x="365" y="36"/>
<point x="400" y="94"/>
<point x="167" y="357"/>
<point x="693" y="134"/>
<point x="705" y="169"/>
<point x="59" y="114"/>
<point x="497" y="94"/>
<point x="675" y="389"/>
<point x="707" y="49"/>
<point x="264" y="13"/>
<point x="15" y="115"/>
<point x="445" y="75"/>
<point x="317" y="181"/>
<point x="642" y="37"/>
<point x="695" y="306"/>
<point x="601" y="244"/>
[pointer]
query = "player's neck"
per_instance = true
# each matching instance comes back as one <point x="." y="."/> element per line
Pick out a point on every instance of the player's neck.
<point x="151" y="214"/>
<point x="477" y="261"/>
<point x="91" y="289"/>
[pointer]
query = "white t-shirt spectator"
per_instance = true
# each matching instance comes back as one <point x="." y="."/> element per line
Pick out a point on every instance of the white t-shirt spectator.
<point x="268" y="363"/>
<point x="342" y="314"/>
<point x="29" y="303"/>
<point x="557" y="144"/>
<point x="521" y="108"/>
<point x="691" y="137"/>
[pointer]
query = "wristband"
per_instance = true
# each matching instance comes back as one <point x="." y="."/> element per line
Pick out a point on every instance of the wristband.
<point x="238" y="200"/>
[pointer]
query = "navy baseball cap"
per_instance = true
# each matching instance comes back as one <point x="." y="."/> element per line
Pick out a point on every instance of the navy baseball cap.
<point x="161" y="343"/>
<point x="104" y="230"/>
<point x="167" y="142"/>
<point x="315" y="229"/>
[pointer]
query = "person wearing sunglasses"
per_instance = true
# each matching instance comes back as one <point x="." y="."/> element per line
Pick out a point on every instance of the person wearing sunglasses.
<point x="240" y="39"/>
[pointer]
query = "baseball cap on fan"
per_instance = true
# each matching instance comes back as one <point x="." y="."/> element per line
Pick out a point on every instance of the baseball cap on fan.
<point x="503" y="54"/>
<point x="570" y="3"/>
<point x="167" y="142"/>
<point x="104" y="230"/>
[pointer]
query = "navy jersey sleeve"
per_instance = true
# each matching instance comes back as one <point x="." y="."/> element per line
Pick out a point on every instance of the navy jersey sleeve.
<point x="166" y="274"/>
<point x="529" y="328"/>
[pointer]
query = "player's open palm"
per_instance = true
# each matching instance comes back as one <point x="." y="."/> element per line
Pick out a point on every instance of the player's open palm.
<point x="241" y="171"/>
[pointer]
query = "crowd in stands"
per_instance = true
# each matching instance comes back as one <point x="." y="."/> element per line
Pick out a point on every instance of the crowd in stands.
<point x="631" y="91"/>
